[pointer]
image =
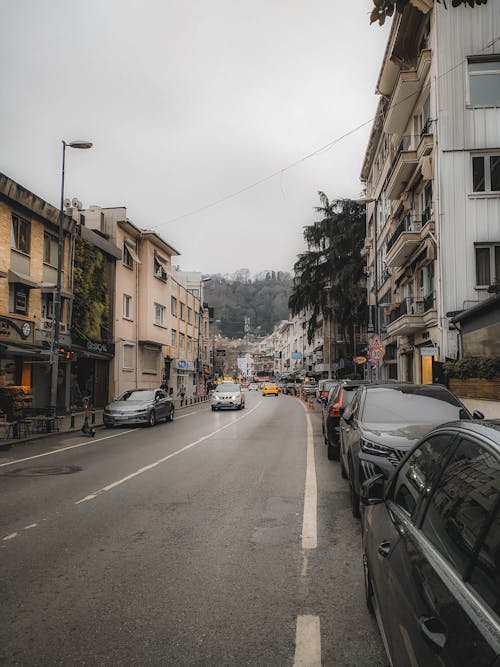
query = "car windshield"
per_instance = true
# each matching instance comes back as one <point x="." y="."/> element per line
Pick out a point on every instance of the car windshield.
<point x="137" y="396"/>
<point x="413" y="405"/>
<point x="227" y="386"/>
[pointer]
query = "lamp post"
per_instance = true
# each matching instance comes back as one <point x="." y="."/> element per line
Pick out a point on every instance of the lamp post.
<point x="54" y="356"/>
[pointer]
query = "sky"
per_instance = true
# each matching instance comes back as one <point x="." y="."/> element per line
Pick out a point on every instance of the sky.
<point x="187" y="103"/>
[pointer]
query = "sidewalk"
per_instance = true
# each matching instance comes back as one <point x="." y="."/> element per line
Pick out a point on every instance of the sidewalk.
<point x="73" y="422"/>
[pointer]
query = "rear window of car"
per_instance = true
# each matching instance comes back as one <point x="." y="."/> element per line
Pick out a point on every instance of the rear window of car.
<point x="348" y="395"/>
<point x="413" y="405"/>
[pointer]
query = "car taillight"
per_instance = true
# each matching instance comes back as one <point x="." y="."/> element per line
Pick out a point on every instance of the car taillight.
<point x="335" y="410"/>
<point x="324" y="393"/>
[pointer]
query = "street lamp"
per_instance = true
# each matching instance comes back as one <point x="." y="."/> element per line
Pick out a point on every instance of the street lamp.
<point x="54" y="357"/>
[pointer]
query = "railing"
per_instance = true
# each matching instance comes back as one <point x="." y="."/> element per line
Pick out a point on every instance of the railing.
<point x="408" y="224"/>
<point x="404" y="145"/>
<point x="429" y="302"/>
<point x="427" y="214"/>
<point x="383" y="276"/>
<point x="408" y="306"/>
<point x="426" y="128"/>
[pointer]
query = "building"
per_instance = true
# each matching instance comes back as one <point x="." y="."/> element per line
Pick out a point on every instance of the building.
<point x="29" y="228"/>
<point x="432" y="177"/>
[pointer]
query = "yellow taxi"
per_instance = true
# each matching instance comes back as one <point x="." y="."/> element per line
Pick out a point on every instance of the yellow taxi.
<point x="270" y="388"/>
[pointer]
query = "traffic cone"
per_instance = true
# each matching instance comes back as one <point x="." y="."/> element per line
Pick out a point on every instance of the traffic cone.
<point x="311" y="404"/>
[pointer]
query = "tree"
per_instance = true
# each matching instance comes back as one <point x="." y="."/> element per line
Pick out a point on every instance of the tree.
<point x="385" y="8"/>
<point x="329" y="276"/>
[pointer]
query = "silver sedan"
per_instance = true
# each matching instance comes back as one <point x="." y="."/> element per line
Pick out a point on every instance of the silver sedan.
<point x="139" y="406"/>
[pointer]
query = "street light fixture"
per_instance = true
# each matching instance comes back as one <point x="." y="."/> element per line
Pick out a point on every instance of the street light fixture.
<point x="54" y="356"/>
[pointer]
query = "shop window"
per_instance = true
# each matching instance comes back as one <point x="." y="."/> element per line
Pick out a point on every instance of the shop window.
<point x="18" y="299"/>
<point x="150" y="359"/>
<point x="11" y="372"/>
<point x="20" y="234"/>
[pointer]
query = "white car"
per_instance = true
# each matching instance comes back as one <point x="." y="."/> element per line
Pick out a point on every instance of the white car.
<point x="228" y="395"/>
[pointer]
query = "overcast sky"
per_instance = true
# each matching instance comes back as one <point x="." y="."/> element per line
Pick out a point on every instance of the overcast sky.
<point x="187" y="102"/>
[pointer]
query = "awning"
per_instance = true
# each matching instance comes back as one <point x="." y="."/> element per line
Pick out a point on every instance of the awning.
<point x="23" y="279"/>
<point x="49" y="288"/>
<point x="161" y="262"/>
<point x="131" y="248"/>
<point x="21" y="349"/>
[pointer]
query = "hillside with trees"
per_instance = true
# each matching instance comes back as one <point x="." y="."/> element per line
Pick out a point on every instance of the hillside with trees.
<point x="263" y="299"/>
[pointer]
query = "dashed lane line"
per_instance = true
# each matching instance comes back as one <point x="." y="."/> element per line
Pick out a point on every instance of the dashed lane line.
<point x="307" y="642"/>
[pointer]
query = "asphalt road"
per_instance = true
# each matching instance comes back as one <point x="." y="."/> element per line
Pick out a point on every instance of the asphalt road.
<point x="183" y="545"/>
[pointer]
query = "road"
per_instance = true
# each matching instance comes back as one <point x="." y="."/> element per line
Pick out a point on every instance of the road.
<point x="196" y="542"/>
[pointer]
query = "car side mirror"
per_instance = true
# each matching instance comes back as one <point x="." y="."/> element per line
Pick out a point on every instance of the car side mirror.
<point x="477" y="414"/>
<point x="347" y="416"/>
<point x="372" y="491"/>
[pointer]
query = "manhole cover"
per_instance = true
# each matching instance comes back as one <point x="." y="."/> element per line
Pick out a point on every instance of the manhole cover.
<point x="40" y="471"/>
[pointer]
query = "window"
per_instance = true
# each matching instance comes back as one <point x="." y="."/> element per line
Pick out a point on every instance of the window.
<point x="160" y="314"/>
<point x="50" y="250"/>
<point x="487" y="264"/>
<point x="173" y="306"/>
<point x="182" y="313"/>
<point x="189" y="345"/>
<point x="127" y="307"/>
<point x="484" y="81"/>
<point x="194" y="292"/>
<point x="20" y="234"/>
<point x="418" y="473"/>
<point x="173" y="338"/>
<point x="486" y="173"/>
<point x="150" y="359"/>
<point x="485" y="576"/>
<point x="461" y="502"/>
<point x="48" y="306"/>
<point x="127" y="257"/>
<point x="181" y="341"/>
<point x="18" y="299"/>
<point x="128" y="356"/>
<point x="159" y="269"/>
<point x="190" y="315"/>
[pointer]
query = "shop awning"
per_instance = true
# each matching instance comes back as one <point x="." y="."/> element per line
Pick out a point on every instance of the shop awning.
<point x="21" y="349"/>
<point x="23" y="279"/>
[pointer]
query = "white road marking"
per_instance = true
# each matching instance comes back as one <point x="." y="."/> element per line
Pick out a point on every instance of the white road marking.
<point x="32" y="525"/>
<point x="10" y="537"/>
<point x="165" y="458"/>
<point x="186" y="415"/>
<point x="309" y="523"/>
<point x="65" y="449"/>
<point x="307" y="642"/>
<point x="304" y="565"/>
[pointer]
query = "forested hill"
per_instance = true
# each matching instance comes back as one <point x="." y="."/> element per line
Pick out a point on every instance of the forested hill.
<point x="263" y="299"/>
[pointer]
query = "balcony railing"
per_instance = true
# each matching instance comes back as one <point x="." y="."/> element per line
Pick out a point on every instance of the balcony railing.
<point x="408" y="306"/>
<point x="408" y="224"/>
<point x="427" y="215"/>
<point x="404" y="145"/>
<point x="429" y="302"/>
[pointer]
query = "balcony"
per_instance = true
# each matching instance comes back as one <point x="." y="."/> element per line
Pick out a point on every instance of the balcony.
<point x="403" y="241"/>
<point x="401" y="171"/>
<point x="408" y="86"/>
<point x="407" y="318"/>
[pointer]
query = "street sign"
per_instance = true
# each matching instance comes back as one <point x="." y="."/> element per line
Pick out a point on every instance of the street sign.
<point x="376" y="355"/>
<point x="296" y="355"/>
<point x="376" y="342"/>
<point x="429" y="351"/>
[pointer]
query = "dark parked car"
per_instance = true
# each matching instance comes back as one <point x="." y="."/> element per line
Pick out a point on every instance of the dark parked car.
<point x="431" y="549"/>
<point x="384" y="421"/>
<point x="323" y="389"/>
<point x="339" y="398"/>
<point x="139" y="406"/>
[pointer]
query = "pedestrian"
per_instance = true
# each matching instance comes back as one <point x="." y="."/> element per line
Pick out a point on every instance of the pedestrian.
<point x="182" y="393"/>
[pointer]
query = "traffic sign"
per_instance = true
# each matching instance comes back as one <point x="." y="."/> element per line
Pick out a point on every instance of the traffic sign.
<point x="376" y="342"/>
<point x="376" y="355"/>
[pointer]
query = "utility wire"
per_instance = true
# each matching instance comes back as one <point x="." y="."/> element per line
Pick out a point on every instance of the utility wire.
<point x="318" y="151"/>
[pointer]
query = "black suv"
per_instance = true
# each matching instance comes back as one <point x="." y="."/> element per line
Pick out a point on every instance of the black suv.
<point x="339" y="398"/>
<point x="384" y="421"/>
<point x="431" y="549"/>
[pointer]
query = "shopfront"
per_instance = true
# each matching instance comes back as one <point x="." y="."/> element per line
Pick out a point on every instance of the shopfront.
<point x="90" y="374"/>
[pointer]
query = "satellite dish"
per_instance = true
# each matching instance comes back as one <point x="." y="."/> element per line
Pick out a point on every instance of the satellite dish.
<point x="67" y="203"/>
<point x="77" y="204"/>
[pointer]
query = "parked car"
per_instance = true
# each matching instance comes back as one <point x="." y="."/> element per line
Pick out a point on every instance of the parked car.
<point x="431" y="549"/>
<point x="309" y="388"/>
<point x="270" y="389"/>
<point x="384" y="421"/>
<point x="323" y="389"/>
<point x="340" y="396"/>
<point x="228" y="395"/>
<point x="139" y="406"/>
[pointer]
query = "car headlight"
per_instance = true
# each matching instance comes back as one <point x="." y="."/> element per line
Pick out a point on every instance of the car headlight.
<point x="374" y="449"/>
<point x="237" y="397"/>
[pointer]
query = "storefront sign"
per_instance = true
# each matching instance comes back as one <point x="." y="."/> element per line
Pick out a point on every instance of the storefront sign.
<point x="15" y="329"/>
<point x="106" y="348"/>
<point x="359" y="360"/>
<point x="429" y="351"/>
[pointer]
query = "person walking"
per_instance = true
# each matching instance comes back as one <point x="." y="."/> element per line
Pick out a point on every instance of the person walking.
<point x="182" y="393"/>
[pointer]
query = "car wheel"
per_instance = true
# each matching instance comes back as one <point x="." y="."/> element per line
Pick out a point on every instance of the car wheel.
<point x="108" y="425"/>
<point x="342" y="468"/>
<point x="352" y="491"/>
<point x="151" y="418"/>
<point x="170" y="417"/>
<point x="368" y="586"/>
<point x="213" y="409"/>
<point x="333" y="454"/>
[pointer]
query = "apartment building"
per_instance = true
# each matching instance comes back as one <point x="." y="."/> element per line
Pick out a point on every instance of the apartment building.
<point x="28" y="277"/>
<point x="432" y="177"/>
